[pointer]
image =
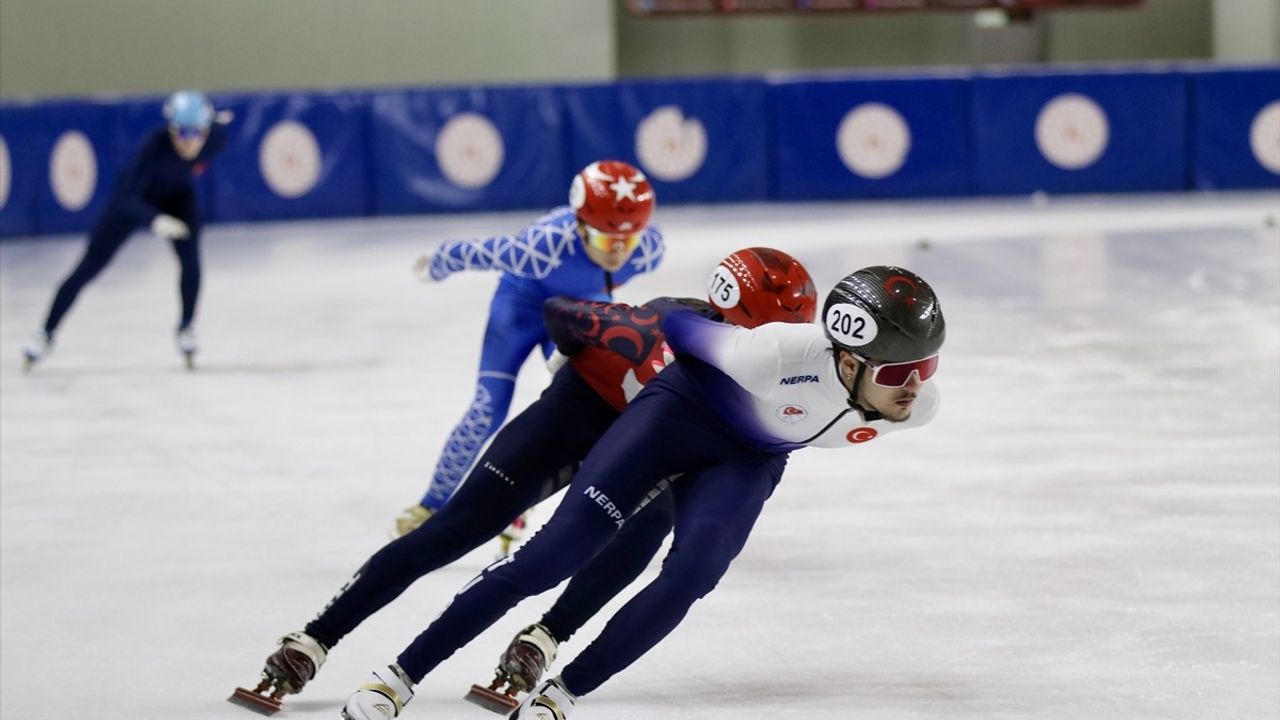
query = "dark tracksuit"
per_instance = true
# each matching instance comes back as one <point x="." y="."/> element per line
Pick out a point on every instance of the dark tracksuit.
<point x="668" y="429"/>
<point x="155" y="181"/>
<point x="531" y="458"/>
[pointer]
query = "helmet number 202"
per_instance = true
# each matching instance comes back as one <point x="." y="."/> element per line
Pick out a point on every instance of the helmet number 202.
<point x="847" y="325"/>
<point x="850" y="325"/>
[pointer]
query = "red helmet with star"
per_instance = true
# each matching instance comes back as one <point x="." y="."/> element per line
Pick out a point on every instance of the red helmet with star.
<point x="612" y="196"/>
<point x="761" y="285"/>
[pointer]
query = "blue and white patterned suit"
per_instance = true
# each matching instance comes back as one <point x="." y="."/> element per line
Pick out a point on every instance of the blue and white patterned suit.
<point x="545" y="259"/>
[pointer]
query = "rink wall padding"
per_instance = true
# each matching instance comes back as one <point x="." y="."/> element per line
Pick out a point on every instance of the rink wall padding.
<point x="1236" y="128"/>
<point x="1080" y="132"/>
<point x="23" y="148"/>
<point x="870" y="137"/>
<point x="467" y="149"/>
<point x="305" y="154"/>
<point x="75" y="163"/>
<point x="697" y="140"/>
<point x="293" y="156"/>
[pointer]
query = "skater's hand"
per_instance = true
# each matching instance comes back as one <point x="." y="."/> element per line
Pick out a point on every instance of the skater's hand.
<point x="224" y="117"/>
<point x="170" y="227"/>
<point x="430" y="267"/>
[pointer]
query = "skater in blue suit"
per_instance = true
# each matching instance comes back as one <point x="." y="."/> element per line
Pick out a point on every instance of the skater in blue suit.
<point x="155" y="191"/>
<point x="583" y="251"/>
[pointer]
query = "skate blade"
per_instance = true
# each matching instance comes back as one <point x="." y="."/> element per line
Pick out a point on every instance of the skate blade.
<point x="251" y="700"/>
<point x="190" y="360"/>
<point x="491" y="700"/>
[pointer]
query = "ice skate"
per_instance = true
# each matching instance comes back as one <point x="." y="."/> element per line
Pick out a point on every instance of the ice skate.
<point x="551" y="701"/>
<point x="186" y="340"/>
<point x="381" y="698"/>
<point x="513" y="534"/>
<point x="36" y="349"/>
<point x="530" y="653"/>
<point x="409" y="520"/>
<point x="286" y="671"/>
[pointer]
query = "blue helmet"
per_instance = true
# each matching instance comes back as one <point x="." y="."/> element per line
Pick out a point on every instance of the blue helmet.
<point x="188" y="110"/>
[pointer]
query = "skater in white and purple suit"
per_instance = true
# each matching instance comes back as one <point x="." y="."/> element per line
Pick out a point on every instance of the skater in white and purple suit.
<point x="726" y="414"/>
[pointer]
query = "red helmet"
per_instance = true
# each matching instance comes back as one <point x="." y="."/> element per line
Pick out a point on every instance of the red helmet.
<point x="761" y="285"/>
<point x="612" y="196"/>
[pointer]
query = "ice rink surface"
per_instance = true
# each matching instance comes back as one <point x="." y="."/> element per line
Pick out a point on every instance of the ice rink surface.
<point x="1090" y="529"/>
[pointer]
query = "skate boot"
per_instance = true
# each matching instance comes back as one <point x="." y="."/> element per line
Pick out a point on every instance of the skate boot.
<point x="513" y="534"/>
<point x="530" y="653"/>
<point x="285" y="672"/>
<point x="36" y="349"/>
<point x="409" y="520"/>
<point x="186" y="340"/>
<point x="382" y="698"/>
<point x="551" y="701"/>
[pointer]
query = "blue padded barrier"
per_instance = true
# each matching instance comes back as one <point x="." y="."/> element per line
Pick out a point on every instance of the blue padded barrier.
<point x="1080" y="132"/>
<point x="78" y="145"/>
<point x="297" y="155"/>
<point x="467" y="149"/>
<point x="23" y="167"/>
<point x="697" y="140"/>
<point x="880" y="137"/>
<point x="1236" y="128"/>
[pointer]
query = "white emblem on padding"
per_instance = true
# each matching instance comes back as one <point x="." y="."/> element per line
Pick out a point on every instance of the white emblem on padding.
<point x="289" y="159"/>
<point x="1072" y="131"/>
<point x="73" y="170"/>
<point x="670" y="146"/>
<point x="873" y="140"/>
<point x="6" y="173"/>
<point x="1264" y="137"/>
<point x="470" y="150"/>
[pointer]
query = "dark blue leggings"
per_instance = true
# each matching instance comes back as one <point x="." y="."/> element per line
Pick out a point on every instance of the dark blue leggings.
<point x="107" y="237"/>
<point x="531" y="458"/>
<point x="660" y="435"/>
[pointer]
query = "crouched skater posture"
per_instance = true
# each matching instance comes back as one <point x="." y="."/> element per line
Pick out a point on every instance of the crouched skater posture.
<point x="725" y="416"/>
<point x="155" y="191"/>
<point x="585" y="250"/>
<point x="613" y="351"/>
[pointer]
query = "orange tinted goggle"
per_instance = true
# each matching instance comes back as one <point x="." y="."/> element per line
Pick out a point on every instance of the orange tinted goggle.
<point x="612" y="242"/>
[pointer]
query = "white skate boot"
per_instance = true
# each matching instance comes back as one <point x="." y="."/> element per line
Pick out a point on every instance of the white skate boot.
<point x="550" y="701"/>
<point x="382" y="698"/>
<point x="36" y="349"/>
<point x="186" y="340"/>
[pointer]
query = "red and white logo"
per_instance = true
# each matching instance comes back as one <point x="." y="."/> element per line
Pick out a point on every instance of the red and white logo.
<point x="792" y="414"/>
<point x="861" y="435"/>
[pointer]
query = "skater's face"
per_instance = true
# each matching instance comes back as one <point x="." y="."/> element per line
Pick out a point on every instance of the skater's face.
<point x="888" y="388"/>
<point x="607" y="250"/>
<point x="188" y="142"/>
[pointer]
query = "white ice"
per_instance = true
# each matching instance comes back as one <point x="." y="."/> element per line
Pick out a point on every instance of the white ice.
<point x="1091" y="528"/>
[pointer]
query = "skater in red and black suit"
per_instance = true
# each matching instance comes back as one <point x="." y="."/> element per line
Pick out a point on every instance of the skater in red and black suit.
<point x="613" y="349"/>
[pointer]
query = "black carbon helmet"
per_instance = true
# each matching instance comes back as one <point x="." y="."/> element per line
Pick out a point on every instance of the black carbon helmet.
<point x="884" y="313"/>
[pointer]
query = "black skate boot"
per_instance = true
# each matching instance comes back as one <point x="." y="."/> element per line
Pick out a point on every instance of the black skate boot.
<point x="530" y="653"/>
<point x="286" y="671"/>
